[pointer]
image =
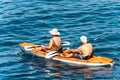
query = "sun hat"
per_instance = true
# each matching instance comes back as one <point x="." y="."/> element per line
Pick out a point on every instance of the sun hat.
<point x="83" y="39"/>
<point x="54" y="31"/>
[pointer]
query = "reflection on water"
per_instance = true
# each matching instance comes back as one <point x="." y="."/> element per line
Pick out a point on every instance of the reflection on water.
<point x="58" y="70"/>
<point x="31" y="20"/>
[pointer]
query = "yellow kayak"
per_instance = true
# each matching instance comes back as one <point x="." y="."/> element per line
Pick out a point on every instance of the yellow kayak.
<point x="30" y="48"/>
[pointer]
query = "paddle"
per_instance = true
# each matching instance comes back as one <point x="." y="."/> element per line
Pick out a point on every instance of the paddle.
<point x="28" y="48"/>
<point x="51" y="54"/>
<point x="65" y="43"/>
<point x="99" y="37"/>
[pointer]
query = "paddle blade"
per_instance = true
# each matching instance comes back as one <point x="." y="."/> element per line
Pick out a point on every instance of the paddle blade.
<point x="28" y="48"/>
<point x="65" y="43"/>
<point x="51" y="54"/>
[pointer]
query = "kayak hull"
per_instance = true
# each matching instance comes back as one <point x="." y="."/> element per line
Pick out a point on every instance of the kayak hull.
<point x="94" y="61"/>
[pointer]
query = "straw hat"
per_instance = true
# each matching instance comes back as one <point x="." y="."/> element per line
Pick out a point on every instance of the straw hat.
<point x="54" y="32"/>
<point x="83" y="39"/>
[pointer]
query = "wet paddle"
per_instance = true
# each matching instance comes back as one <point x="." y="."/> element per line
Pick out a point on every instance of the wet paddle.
<point x="99" y="37"/>
<point x="65" y="43"/>
<point x="51" y="54"/>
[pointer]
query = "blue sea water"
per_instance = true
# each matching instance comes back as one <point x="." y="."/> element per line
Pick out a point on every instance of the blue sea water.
<point x="31" y="20"/>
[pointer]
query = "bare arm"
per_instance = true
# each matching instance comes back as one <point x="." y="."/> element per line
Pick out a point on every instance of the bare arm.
<point x="50" y="44"/>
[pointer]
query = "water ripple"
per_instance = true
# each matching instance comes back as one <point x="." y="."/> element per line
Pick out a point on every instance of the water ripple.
<point x="31" y="20"/>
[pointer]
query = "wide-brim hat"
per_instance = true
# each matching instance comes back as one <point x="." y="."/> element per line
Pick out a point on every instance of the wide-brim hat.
<point x="83" y="39"/>
<point x="54" y="32"/>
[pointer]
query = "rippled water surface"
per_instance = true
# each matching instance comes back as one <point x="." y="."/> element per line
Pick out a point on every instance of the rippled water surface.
<point x="31" y="20"/>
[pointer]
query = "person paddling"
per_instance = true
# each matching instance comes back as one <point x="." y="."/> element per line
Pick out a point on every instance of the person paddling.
<point x="54" y="43"/>
<point x="85" y="51"/>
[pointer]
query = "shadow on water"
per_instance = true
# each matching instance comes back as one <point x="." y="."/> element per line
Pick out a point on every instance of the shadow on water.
<point x="49" y="69"/>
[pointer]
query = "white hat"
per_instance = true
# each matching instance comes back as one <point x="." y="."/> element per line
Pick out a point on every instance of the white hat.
<point x="83" y="39"/>
<point x="54" y="32"/>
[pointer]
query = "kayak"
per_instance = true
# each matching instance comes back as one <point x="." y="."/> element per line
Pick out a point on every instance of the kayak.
<point x="30" y="48"/>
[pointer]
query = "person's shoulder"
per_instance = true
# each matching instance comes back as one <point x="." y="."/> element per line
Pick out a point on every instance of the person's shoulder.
<point x="51" y="39"/>
<point x="89" y="43"/>
<point x="86" y="44"/>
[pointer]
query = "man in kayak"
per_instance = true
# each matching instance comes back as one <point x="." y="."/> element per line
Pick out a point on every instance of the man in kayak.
<point x="55" y="41"/>
<point x="85" y="51"/>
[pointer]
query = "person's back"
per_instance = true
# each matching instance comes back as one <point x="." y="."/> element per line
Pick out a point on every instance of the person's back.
<point x="86" y="49"/>
<point x="56" y="43"/>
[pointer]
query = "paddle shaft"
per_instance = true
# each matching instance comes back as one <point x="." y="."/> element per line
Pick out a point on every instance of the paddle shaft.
<point x="33" y="47"/>
<point x="99" y="37"/>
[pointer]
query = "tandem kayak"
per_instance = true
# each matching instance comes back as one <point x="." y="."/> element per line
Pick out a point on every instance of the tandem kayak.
<point x="30" y="48"/>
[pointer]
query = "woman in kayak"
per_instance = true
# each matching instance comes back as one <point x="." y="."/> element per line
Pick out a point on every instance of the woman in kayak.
<point x="85" y="51"/>
<point x="55" y="41"/>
